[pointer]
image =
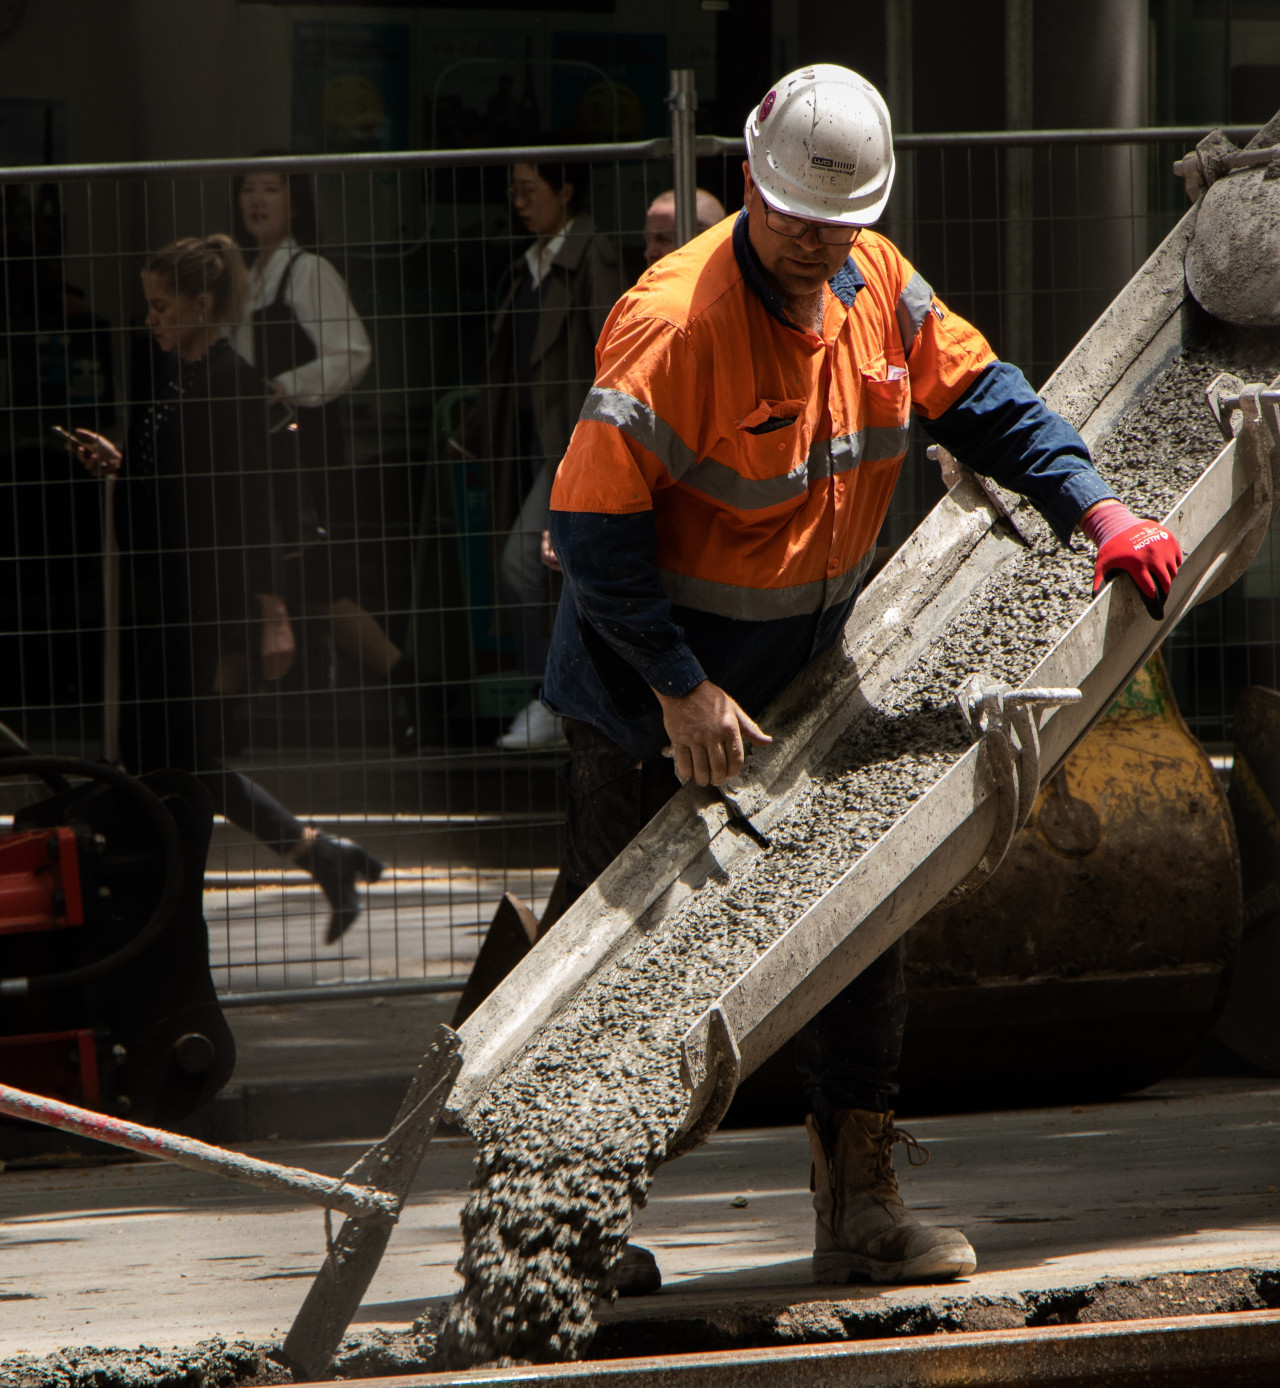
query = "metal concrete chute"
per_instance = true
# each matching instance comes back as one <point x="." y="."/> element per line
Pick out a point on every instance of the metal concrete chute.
<point x="909" y="603"/>
<point x="1221" y="522"/>
<point x="1232" y="266"/>
<point x="955" y="835"/>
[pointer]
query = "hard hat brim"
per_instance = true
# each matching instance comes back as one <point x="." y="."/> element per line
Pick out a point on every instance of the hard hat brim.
<point x="820" y="146"/>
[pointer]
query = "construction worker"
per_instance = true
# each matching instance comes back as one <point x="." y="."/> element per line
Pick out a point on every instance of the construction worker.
<point x="715" y="516"/>
<point x="660" y="221"/>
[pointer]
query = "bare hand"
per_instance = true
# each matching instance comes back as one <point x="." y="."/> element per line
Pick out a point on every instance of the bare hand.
<point x="548" y="553"/>
<point x="278" y="646"/>
<point x="275" y="391"/>
<point x="99" y="455"/>
<point x="708" y="731"/>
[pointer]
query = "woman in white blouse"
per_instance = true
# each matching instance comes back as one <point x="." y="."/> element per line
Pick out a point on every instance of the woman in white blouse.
<point x="302" y="332"/>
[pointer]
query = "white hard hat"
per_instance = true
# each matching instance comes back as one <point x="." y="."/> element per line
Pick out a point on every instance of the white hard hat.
<point x="820" y="146"/>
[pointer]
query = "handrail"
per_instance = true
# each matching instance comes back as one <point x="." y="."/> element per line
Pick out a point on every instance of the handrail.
<point x="341" y="163"/>
<point x="706" y="146"/>
<point x="1009" y="139"/>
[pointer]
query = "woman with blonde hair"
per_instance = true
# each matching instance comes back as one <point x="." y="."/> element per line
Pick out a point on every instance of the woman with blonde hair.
<point x="198" y="540"/>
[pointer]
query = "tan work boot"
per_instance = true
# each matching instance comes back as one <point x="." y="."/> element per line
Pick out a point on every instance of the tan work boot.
<point x="863" y="1232"/>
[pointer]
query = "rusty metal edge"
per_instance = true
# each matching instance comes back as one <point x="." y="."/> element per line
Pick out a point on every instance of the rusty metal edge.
<point x="1086" y="1354"/>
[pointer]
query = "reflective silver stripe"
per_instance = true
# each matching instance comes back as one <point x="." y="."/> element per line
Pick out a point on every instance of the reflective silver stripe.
<point x="847" y="584"/>
<point x="840" y="453"/>
<point x="843" y="452"/>
<point x="763" y="604"/>
<point x="723" y="483"/>
<point x="885" y="442"/>
<point x="638" y="421"/>
<point x="827" y="457"/>
<point x="913" y="304"/>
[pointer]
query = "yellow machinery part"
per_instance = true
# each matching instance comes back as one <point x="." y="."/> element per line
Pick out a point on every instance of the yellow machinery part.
<point x="1250" y="1023"/>
<point x="1098" y="955"/>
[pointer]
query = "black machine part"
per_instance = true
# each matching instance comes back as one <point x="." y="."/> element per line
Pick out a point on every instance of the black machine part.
<point x="171" y="857"/>
<point x="139" y="983"/>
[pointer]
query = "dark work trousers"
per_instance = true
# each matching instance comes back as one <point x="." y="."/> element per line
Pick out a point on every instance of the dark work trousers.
<point x="848" y="1054"/>
<point x="165" y="723"/>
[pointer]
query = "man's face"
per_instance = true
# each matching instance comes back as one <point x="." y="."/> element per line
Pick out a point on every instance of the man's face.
<point x="796" y="265"/>
<point x="659" y="230"/>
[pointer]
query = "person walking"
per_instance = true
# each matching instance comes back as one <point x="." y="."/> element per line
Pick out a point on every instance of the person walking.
<point x="303" y="334"/>
<point x="715" y="516"/>
<point x="541" y="362"/>
<point x="201" y="557"/>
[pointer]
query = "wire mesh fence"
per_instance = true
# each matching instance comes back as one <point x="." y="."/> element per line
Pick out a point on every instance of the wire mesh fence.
<point x="365" y="439"/>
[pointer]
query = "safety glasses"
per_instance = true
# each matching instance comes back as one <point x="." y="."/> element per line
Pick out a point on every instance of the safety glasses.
<point x="786" y="225"/>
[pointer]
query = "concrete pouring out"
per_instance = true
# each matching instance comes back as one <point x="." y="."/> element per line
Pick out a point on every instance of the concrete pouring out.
<point x="1127" y="1210"/>
<point x="572" y="1133"/>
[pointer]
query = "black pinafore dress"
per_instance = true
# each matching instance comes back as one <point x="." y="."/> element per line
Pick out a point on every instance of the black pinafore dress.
<point x="310" y="461"/>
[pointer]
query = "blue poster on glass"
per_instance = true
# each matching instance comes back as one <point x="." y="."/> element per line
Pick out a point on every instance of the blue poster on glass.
<point x="350" y="86"/>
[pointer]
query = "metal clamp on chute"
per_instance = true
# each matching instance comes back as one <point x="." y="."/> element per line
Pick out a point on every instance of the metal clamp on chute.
<point x="1249" y="415"/>
<point x="710" y="1068"/>
<point x="1005" y="722"/>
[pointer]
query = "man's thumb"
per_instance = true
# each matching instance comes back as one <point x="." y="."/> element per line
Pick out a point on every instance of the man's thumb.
<point x="753" y="730"/>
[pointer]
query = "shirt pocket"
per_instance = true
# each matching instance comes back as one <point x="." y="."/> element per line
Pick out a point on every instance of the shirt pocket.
<point x="774" y="437"/>
<point x="886" y="392"/>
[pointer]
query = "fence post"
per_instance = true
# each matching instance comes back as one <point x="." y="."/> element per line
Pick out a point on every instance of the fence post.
<point x="683" y="102"/>
<point x="900" y="94"/>
<point x="111" y="627"/>
<point x="1019" y="57"/>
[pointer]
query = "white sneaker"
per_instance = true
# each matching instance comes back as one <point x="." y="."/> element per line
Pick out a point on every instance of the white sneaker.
<point x="533" y="727"/>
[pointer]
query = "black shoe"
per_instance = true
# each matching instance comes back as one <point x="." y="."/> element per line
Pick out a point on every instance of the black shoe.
<point x="336" y="865"/>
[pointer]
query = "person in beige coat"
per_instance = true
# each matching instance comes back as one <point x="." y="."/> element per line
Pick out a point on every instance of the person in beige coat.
<point x="541" y="364"/>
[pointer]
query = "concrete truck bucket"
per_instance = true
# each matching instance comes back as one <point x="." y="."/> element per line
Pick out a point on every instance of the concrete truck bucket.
<point x="1233" y="267"/>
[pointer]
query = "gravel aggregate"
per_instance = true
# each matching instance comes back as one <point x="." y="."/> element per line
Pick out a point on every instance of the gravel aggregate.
<point x="571" y="1134"/>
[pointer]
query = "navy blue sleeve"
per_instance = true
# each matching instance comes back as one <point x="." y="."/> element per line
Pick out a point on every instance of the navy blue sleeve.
<point x="609" y="567"/>
<point x="1001" y="428"/>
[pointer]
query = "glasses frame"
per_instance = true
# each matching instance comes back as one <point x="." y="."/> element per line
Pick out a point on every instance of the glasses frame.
<point x="805" y="226"/>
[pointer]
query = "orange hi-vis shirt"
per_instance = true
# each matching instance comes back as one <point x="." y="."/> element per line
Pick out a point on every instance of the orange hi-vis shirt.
<point x="767" y="453"/>
<point x="718" y="506"/>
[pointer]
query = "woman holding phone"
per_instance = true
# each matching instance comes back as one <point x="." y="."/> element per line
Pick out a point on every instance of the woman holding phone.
<point x="200" y="554"/>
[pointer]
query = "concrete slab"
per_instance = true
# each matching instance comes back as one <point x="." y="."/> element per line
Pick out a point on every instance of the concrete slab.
<point x="1179" y="1180"/>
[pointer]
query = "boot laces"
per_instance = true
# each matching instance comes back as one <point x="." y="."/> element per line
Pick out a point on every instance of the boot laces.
<point x="917" y="1153"/>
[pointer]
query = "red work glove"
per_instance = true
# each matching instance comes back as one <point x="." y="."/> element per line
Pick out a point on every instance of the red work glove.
<point x="1143" y="549"/>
